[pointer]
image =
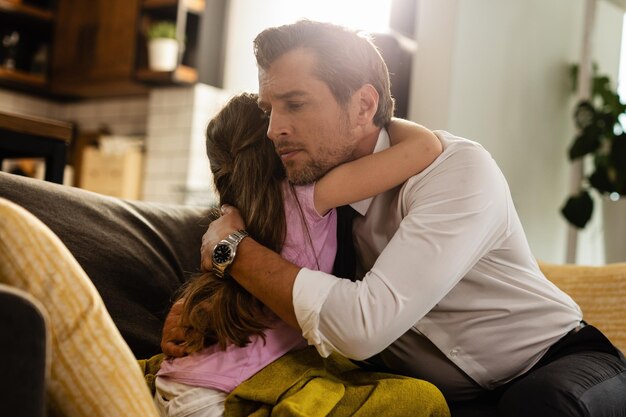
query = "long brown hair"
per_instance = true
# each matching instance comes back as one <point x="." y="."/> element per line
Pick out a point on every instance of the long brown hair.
<point x="247" y="173"/>
<point x="346" y="59"/>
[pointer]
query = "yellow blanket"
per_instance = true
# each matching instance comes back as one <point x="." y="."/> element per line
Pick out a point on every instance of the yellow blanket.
<point x="304" y="384"/>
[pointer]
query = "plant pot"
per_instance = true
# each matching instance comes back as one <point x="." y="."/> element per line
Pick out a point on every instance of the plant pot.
<point x="163" y="54"/>
<point x="614" y="213"/>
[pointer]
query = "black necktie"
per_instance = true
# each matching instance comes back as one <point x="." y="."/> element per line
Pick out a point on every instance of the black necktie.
<point x="345" y="261"/>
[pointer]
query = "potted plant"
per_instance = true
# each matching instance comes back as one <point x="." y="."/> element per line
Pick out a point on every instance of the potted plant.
<point x="163" y="46"/>
<point x="600" y="137"/>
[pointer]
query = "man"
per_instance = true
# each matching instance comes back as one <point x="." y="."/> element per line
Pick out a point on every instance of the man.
<point x="450" y="291"/>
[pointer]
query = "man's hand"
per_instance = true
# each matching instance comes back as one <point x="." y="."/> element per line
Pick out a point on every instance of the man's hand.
<point x="259" y="270"/>
<point x="230" y="221"/>
<point x="173" y="333"/>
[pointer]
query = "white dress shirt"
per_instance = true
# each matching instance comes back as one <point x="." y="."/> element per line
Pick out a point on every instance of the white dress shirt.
<point x="444" y="255"/>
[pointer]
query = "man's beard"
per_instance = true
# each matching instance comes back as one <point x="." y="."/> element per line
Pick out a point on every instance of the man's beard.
<point x="309" y="173"/>
<point x="315" y="168"/>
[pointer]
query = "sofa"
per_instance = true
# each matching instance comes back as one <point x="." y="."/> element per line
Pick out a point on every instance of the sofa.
<point x="138" y="254"/>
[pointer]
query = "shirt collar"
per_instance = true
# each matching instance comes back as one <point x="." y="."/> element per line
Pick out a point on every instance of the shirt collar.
<point x="382" y="143"/>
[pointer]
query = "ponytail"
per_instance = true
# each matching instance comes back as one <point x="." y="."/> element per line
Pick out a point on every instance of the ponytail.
<point x="247" y="174"/>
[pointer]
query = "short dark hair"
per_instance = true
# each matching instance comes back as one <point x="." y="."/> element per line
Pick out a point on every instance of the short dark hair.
<point x="346" y="59"/>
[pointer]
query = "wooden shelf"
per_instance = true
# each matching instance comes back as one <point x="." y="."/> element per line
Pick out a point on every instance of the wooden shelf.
<point x="157" y="4"/>
<point x="17" y="7"/>
<point x="181" y="75"/>
<point x="22" y="77"/>
<point x="36" y="126"/>
<point x="196" y="6"/>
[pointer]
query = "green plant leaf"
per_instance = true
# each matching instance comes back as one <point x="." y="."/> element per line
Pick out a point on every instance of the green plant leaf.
<point x="586" y="142"/>
<point x="617" y="161"/>
<point x="578" y="209"/>
<point x="612" y="103"/>
<point x="600" y="85"/>
<point x="605" y="121"/>
<point x="162" y="29"/>
<point x="584" y="114"/>
<point x="617" y="156"/>
<point x="600" y="180"/>
<point x="600" y="134"/>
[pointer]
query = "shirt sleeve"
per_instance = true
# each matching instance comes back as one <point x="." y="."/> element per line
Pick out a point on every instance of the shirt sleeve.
<point x="309" y="293"/>
<point x="451" y="217"/>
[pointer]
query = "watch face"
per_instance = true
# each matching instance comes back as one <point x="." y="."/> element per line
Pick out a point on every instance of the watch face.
<point x="222" y="253"/>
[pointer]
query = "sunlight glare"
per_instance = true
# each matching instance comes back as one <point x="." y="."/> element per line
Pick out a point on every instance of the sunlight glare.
<point x="368" y="15"/>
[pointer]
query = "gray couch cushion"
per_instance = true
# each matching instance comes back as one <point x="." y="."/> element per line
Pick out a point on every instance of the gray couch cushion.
<point x="136" y="253"/>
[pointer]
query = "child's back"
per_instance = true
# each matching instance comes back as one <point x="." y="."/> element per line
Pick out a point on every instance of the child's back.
<point x="310" y="242"/>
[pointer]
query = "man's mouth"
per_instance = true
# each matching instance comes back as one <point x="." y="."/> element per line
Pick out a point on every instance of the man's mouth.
<point x="287" y="153"/>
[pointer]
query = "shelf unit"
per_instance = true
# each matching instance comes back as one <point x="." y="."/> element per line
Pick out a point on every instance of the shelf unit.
<point x="95" y="49"/>
<point x="37" y="12"/>
<point x="33" y="21"/>
<point x="23" y="77"/>
<point x="188" y="15"/>
<point x="181" y="75"/>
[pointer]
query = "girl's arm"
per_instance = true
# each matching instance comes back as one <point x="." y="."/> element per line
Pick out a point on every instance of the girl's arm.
<point x="413" y="148"/>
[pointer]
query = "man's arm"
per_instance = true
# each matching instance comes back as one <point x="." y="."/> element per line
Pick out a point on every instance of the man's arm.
<point x="256" y="268"/>
<point x="259" y="270"/>
<point x="447" y="223"/>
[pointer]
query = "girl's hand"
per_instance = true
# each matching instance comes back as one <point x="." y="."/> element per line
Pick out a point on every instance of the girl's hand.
<point x="230" y="221"/>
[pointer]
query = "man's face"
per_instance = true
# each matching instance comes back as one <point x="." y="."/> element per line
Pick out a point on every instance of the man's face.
<point x="311" y="132"/>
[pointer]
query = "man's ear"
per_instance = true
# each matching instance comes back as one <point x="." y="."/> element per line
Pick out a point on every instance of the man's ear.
<point x="366" y="103"/>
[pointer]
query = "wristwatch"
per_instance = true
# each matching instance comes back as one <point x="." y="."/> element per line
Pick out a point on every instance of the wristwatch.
<point x="224" y="252"/>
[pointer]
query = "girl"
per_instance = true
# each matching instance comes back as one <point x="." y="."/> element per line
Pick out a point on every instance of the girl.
<point x="230" y="334"/>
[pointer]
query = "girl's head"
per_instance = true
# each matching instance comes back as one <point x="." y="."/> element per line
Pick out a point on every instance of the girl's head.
<point x="246" y="169"/>
<point x="248" y="174"/>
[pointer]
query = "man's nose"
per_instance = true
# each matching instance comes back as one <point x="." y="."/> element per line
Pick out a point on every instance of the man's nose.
<point x="278" y="127"/>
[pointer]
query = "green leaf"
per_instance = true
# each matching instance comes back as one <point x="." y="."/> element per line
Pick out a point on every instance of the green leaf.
<point x="617" y="156"/>
<point x="617" y="161"/>
<point x="578" y="209"/>
<point x="585" y="114"/>
<point x="601" y="134"/>
<point x="162" y="29"/>
<point x="586" y="142"/>
<point x="600" y="86"/>
<point x="605" y="121"/>
<point x="613" y="104"/>
<point x="600" y="180"/>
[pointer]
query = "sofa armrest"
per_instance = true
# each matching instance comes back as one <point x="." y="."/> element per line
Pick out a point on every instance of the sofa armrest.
<point x="24" y="354"/>
<point x="600" y="291"/>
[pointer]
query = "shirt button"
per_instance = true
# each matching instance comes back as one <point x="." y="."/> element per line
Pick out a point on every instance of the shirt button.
<point x="454" y="352"/>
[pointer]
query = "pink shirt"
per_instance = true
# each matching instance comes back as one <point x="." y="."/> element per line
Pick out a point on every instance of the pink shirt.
<point x="225" y="369"/>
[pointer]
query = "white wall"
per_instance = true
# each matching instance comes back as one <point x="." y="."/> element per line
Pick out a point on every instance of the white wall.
<point x="246" y="18"/>
<point x="495" y="71"/>
<point x="177" y="169"/>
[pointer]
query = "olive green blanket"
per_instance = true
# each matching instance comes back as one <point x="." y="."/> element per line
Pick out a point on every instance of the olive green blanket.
<point x="304" y="384"/>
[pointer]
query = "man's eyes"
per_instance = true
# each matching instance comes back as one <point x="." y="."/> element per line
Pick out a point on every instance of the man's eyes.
<point x="294" y="105"/>
<point x="289" y="106"/>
